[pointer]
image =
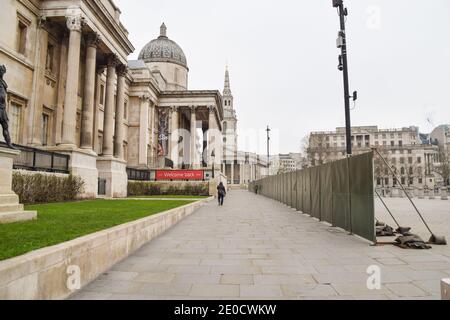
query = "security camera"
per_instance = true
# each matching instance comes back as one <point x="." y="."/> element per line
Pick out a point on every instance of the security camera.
<point x="341" y="65"/>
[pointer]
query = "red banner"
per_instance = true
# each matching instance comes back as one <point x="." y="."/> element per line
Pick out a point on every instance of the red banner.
<point x="179" y="175"/>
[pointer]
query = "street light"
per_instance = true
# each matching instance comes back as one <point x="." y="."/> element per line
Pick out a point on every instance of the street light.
<point x="268" y="150"/>
<point x="341" y="43"/>
<point x="213" y="157"/>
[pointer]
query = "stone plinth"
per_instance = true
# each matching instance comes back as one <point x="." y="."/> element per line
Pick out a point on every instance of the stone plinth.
<point x="445" y="289"/>
<point x="10" y="209"/>
<point x="83" y="163"/>
<point x="114" y="171"/>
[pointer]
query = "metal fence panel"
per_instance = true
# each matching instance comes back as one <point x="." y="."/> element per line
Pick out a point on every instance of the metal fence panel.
<point x="326" y="194"/>
<point x="307" y="191"/>
<point x="340" y="193"/>
<point x="315" y="192"/>
<point x="300" y="190"/>
<point x="341" y="196"/>
<point x="362" y="199"/>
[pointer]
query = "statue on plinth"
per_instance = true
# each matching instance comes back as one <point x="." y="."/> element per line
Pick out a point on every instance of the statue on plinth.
<point x="3" y="115"/>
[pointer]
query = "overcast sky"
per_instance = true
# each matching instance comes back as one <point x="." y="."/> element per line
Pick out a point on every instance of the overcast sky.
<point x="283" y="59"/>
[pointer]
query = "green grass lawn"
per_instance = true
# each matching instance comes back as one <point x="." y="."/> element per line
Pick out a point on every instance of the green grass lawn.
<point x="62" y="222"/>
<point x="170" y="197"/>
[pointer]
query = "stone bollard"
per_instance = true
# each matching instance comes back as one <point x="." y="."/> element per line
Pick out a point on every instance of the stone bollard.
<point x="421" y="193"/>
<point x="444" y="195"/>
<point x="431" y="197"/>
<point x="445" y="289"/>
<point x="410" y="191"/>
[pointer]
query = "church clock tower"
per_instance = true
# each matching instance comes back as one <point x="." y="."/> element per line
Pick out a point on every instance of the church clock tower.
<point x="229" y="124"/>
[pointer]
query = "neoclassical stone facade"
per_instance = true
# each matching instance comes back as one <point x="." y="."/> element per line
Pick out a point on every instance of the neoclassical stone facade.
<point x="73" y="91"/>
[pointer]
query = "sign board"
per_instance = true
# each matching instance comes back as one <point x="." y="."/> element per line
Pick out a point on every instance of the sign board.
<point x="179" y="175"/>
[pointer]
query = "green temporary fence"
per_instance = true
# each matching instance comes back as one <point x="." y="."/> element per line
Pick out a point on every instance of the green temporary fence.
<point x="340" y="193"/>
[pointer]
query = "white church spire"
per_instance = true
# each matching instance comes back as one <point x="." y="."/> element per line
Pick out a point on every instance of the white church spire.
<point x="227" y="88"/>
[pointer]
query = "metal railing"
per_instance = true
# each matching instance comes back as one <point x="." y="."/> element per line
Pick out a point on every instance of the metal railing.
<point x="33" y="159"/>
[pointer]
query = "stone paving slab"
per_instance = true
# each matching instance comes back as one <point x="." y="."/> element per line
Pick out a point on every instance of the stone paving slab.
<point x="257" y="248"/>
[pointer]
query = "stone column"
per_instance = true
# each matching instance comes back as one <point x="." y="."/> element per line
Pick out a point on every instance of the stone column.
<point x="61" y="88"/>
<point x="232" y="172"/>
<point x="108" y="123"/>
<point x="87" y="119"/>
<point x="211" y="127"/>
<point x="74" y="24"/>
<point x="152" y="132"/>
<point x="143" y="129"/>
<point x="194" y="163"/>
<point x="174" y="136"/>
<point x="98" y="81"/>
<point x="119" y="135"/>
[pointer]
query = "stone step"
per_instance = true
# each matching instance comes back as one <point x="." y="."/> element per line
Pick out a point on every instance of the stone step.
<point x="10" y="217"/>
<point x="11" y="207"/>
<point x="9" y="199"/>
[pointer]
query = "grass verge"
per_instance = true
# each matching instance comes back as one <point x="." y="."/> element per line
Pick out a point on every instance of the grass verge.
<point x="61" y="222"/>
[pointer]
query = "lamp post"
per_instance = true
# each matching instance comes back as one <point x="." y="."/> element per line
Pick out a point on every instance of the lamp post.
<point x="343" y="66"/>
<point x="213" y="157"/>
<point x="268" y="150"/>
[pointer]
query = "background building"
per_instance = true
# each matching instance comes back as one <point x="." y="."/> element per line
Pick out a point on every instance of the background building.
<point x="284" y="163"/>
<point x="413" y="158"/>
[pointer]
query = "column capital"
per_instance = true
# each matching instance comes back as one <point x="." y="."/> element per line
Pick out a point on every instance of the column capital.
<point x="100" y="69"/>
<point x="121" y="70"/>
<point x="93" y="39"/>
<point x="193" y="108"/>
<point x="173" y="108"/>
<point x="75" y="23"/>
<point x="112" y="60"/>
<point x="211" y="109"/>
<point x="145" y="97"/>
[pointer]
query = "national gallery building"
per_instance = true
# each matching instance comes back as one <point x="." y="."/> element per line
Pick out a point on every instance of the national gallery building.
<point x="73" y="92"/>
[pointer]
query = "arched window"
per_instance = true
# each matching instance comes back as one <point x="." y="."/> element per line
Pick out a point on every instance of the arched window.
<point x="225" y="126"/>
<point x="402" y="170"/>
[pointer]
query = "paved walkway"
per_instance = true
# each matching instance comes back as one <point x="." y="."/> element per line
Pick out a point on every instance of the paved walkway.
<point x="256" y="248"/>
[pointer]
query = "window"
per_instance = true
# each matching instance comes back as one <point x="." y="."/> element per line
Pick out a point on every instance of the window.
<point x="22" y="31"/>
<point x="125" y="110"/>
<point x="410" y="160"/>
<point x="411" y="171"/>
<point x="377" y="143"/>
<point x="411" y="181"/>
<point x="50" y="58"/>
<point x="402" y="171"/>
<point x="403" y="181"/>
<point x="102" y="94"/>
<point x="176" y="75"/>
<point x="386" y="181"/>
<point x="125" y="151"/>
<point x="419" y="159"/>
<point x="400" y="143"/>
<point x="15" y="116"/>
<point x="44" y="129"/>
<point x="392" y="143"/>
<point x="420" y="181"/>
<point x="402" y="160"/>
<point x="378" y="181"/>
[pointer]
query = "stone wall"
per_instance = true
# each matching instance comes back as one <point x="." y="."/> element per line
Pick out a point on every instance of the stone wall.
<point x="53" y="272"/>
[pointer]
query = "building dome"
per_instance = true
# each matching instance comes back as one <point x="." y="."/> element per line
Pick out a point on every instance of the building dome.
<point x="163" y="49"/>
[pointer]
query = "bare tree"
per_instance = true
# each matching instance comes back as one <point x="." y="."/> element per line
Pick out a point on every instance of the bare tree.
<point x="443" y="168"/>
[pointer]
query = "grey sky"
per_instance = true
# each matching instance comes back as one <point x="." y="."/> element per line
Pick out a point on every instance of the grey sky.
<point x="283" y="59"/>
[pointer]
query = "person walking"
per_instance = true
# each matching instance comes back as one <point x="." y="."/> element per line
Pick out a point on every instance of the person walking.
<point x="221" y="193"/>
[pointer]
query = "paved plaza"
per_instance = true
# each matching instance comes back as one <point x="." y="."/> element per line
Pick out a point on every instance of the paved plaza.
<point x="257" y="248"/>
